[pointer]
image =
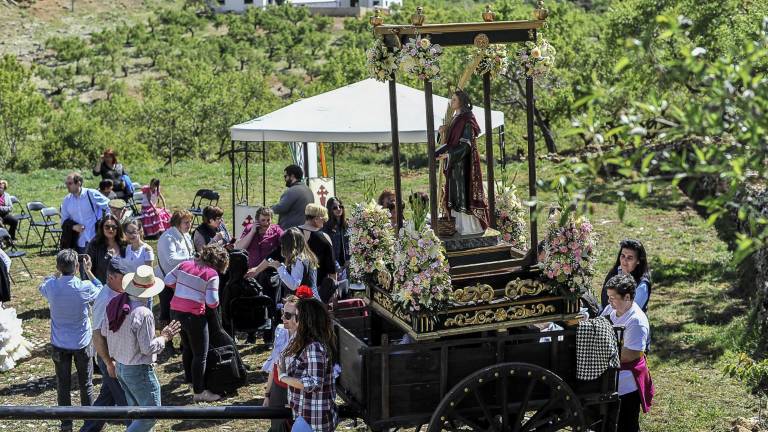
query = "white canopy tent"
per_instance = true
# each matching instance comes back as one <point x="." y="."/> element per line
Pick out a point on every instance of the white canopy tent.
<point x="357" y="113"/>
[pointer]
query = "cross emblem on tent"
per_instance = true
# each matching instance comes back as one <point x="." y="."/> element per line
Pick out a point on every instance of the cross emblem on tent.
<point x="322" y="192"/>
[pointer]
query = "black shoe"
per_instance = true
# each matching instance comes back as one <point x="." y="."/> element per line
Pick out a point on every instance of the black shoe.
<point x="251" y="339"/>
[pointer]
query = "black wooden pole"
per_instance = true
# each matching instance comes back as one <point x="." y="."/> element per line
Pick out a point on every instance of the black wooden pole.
<point x="395" y="149"/>
<point x="489" y="148"/>
<point x="431" y="153"/>
<point x="141" y="412"/>
<point x="531" y="165"/>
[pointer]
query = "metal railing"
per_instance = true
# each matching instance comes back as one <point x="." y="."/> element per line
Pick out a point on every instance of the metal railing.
<point x="26" y="412"/>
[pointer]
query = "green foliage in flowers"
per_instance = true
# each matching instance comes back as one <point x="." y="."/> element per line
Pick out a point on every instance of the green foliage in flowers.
<point x="510" y="215"/>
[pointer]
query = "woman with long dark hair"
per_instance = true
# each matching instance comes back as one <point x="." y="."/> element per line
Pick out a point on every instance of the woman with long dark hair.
<point x="464" y="197"/>
<point x="631" y="259"/>
<point x="338" y="230"/>
<point x="306" y="367"/>
<point x="108" y="243"/>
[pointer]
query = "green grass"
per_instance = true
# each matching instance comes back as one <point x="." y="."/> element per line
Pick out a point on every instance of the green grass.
<point x="695" y="323"/>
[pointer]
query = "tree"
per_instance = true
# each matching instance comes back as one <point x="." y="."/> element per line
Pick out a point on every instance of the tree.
<point x="21" y="107"/>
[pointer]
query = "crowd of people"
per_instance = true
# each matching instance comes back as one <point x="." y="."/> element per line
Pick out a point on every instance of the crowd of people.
<point x="107" y="275"/>
<point x="101" y="296"/>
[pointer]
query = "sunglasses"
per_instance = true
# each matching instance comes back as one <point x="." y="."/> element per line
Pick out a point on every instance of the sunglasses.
<point x="338" y="208"/>
<point x="110" y="227"/>
<point x="289" y="316"/>
<point x="132" y="232"/>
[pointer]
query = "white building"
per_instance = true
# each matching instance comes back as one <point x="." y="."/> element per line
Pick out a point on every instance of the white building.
<point x="325" y="7"/>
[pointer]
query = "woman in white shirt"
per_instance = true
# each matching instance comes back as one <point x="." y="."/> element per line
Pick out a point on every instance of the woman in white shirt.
<point x="276" y="394"/>
<point x="300" y="264"/>
<point x="623" y="311"/>
<point x="137" y="253"/>
<point x="173" y="248"/>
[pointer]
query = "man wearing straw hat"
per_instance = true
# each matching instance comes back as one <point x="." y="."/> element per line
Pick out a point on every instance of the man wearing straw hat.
<point x="130" y="331"/>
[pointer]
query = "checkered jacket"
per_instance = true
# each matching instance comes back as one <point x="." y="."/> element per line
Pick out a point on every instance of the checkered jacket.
<point x="316" y="401"/>
<point x="596" y="348"/>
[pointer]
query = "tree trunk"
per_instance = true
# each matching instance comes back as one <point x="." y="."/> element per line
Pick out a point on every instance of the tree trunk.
<point x="543" y="124"/>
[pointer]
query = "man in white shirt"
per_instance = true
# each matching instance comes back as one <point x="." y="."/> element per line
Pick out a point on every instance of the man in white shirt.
<point x="84" y="207"/>
<point x="111" y="393"/>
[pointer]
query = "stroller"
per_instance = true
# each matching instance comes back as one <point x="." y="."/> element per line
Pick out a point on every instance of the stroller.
<point x="245" y="307"/>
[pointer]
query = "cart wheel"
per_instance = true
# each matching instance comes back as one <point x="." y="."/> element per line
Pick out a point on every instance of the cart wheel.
<point x="509" y="397"/>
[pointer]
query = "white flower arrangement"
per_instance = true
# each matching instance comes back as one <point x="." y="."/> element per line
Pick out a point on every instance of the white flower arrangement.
<point x="510" y="216"/>
<point x="372" y="243"/>
<point x="494" y="60"/>
<point x="382" y="63"/>
<point x="421" y="58"/>
<point x="537" y="58"/>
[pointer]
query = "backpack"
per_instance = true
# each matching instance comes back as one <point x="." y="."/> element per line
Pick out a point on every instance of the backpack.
<point x="224" y="369"/>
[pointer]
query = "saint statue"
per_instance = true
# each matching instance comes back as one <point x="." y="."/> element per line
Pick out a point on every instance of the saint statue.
<point x="463" y="197"/>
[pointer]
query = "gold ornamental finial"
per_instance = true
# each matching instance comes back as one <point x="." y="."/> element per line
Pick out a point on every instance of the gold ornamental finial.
<point x="540" y="13"/>
<point x="488" y="15"/>
<point x="376" y="20"/>
<point x="417" y="19"/>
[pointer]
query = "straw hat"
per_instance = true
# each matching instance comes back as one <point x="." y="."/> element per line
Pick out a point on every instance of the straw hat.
<point x="143" y="283"/>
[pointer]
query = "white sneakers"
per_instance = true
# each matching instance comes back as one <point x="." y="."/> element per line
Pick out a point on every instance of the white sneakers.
<point x="206" y="396"/>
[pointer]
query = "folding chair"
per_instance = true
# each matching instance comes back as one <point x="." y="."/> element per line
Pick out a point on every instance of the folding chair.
<point x="21" y="216"/>
<point x="10" y="249"/>
<point x="134" y="202"/>
<point x="202" y="199"/>
<point x="47" y="223"/>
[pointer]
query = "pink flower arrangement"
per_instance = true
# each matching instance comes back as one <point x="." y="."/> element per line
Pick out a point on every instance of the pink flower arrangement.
<point x="569" y="250"/>
<point x="422" y="281"/>
<point x="421" y="58"/>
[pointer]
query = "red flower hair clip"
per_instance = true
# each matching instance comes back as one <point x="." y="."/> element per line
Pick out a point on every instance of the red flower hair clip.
<point x="304" y="291"/>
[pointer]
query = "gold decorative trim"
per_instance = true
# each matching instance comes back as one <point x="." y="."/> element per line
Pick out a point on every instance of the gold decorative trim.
<point x="499" y="315"/>
<point x="477" y="293"/>
<point x="386" y="302"/>
<point x="525" y="287"/>
<point x="458" y="27"/>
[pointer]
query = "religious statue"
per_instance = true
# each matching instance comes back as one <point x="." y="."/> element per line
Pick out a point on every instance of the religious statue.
<point x="463" y="197"/>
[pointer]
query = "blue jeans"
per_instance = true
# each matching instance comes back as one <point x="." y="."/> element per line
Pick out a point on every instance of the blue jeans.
<point x="111" y="394"/>
<point x="141" y="388"/>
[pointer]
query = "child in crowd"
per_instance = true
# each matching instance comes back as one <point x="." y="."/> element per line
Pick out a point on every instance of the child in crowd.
<point x="154" y="219"/>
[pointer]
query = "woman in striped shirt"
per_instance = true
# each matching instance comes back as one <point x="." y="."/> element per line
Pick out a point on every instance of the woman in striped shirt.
<point x="196" y="286"/>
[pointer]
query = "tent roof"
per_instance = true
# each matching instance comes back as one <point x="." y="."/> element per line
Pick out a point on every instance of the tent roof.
<point x="357" y="113"/>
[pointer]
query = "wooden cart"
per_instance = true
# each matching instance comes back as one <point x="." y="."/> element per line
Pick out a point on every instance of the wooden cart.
<point x="479" y="364"/>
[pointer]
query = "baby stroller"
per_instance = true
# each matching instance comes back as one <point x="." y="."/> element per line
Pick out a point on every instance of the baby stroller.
<point x="245" y="308"/>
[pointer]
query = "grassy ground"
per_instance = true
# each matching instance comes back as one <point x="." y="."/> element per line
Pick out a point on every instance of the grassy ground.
<point x="694" y="320"/>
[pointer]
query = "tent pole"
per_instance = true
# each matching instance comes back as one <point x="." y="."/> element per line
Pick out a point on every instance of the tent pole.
<point x="531" y="166"/>
<point x="431" y="153"/>
<point x="247" y="174"/>
<point x="395" y="148"/>
<point x="305" y="152"/>
<point x="232" y="167"/>
<point x="502" y="149"/>
<point x="489" y="148"/>
<point x="333" y="162"/>
<point x="263" y="173"/>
